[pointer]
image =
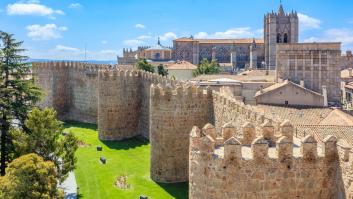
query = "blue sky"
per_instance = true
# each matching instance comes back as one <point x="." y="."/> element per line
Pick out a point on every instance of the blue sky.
<point x="60" y="29"/>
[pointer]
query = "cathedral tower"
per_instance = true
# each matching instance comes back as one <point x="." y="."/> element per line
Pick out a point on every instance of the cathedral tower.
<point x="279" y="27"/>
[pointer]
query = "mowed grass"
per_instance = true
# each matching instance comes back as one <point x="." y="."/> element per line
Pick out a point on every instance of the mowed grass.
<point x="129" y="158"/>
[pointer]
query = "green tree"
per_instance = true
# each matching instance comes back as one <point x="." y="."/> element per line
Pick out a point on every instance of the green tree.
<point x="18" y="94"/>
<point x="30" y="177"/>
<point x="47" y="141"/>
<point x="142" y="64"/>
<point x="206" y="67"/>
<point x="161" y="70"/>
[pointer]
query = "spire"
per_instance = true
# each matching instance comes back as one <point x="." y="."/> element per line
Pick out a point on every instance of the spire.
<point x="159" y="42"/>
<point x="280" y="9"/>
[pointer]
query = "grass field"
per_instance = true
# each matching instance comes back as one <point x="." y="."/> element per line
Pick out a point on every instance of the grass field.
<point x="130" y="158"/>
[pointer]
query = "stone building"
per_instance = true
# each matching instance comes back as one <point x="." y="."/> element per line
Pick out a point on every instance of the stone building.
<point x="235" y="51"/>
<point x="317" y="64"/>
<point x="279" y="28"/>
<point x="290" y="94"/>
<point x="157" y="53"/>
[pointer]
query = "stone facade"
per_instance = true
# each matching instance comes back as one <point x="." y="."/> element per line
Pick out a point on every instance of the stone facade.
<point x="317" y="64"/>
<point x="288" y="93"/>
<point x="279" y="28"/>
<point x="234" y="51"/>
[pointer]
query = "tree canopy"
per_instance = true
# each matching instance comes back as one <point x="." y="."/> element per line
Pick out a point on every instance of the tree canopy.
<point x="18" y="93"/>
<point x="46" y="140"/>
<point x="30" y="177"/>
<point x="161" y="70"/>
<point x="142" y="64"/>
<point x="206" y="67"/>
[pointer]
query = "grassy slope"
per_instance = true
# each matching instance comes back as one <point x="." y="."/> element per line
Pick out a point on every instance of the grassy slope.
<point x="129" y="157"/>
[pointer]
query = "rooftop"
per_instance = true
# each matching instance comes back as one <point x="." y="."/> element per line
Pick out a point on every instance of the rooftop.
<point x="246" y="76"/>
<point x="222" y="41"/>
<point x="282" y="84"/>
<point x="181" y="65"/>
<point x="159" y="46"/>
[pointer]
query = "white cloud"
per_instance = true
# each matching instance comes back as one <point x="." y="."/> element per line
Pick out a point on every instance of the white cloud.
<point x="144" y="37"/>
<point x="32" y="8"/>
<point x="104" y="42"/>
<point x="343" y="35"/>
<point x="66" y="48"/>
<point x="133" y="42"/>
<point x="168" y="36"/>
<point x="306" y="22"/>
<point x="75" y="6"/>
<point x="233" y="33"/>
<point x="140" y="26"/>
<point x="46" y="32"/>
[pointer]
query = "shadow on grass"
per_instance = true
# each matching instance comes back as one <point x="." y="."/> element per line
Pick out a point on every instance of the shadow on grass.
<point x="126" y="144"/>
<point x="69" y="124"/>
<point x="177" y="190"/>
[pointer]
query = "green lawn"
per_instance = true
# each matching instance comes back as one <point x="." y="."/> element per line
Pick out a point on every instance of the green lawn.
<point x="129" y="158"/>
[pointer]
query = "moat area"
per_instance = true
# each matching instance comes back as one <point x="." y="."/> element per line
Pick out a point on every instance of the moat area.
<point x="127" y="163"/>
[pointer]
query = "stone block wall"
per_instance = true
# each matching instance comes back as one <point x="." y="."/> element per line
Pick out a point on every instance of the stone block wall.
<point x="230" y="110"/>
<point x="173" y="112"/>
<point x="222" y="167"/>
<point x="71" y="88"/>
<point x="118" y="104"/>
<point x="83" y="88"/>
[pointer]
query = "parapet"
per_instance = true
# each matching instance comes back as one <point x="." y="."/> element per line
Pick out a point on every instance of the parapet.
<point x="169" y="90"/>
<point x="80" y="67"/>
<point x="204" y="142"/>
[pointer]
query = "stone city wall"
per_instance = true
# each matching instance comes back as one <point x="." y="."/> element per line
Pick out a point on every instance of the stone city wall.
<point x="124" y="103"/>
<point x="229" y="110"/>
<point x="173" y="112"/>
<point x="71" y="88"/>
<point x="223" y="167"/>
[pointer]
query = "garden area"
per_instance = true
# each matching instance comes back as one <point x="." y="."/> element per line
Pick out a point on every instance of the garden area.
<point x="125" y="173"/>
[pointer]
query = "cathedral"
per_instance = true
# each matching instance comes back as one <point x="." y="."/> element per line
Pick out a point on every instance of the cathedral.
<point x="279" y="27"/>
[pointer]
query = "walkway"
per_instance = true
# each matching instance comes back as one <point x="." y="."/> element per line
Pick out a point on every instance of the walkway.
<point x="70" y="186"/>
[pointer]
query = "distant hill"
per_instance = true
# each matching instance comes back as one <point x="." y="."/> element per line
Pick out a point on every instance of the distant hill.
<point x="88" y="61"/>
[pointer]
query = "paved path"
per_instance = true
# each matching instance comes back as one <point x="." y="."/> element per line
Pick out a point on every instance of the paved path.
<point x="70" y="186"/>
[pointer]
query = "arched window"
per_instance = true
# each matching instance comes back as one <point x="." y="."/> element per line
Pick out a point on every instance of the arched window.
<point x="285" y="38"/>
<point x="157" y="56"/>
<point x="279" y="39"/>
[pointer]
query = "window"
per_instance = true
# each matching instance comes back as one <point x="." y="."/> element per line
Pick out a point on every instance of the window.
<point x="316" y="58"/>
<point x="157" y="56"/>
<point x="323" y="58"/>
<point x="286" y="103"/>
<point x="279" y="38"/>
<point x="285" y="38"/>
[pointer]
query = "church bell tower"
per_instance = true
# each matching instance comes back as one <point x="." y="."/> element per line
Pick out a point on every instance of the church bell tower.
<point x="279" y="27"/>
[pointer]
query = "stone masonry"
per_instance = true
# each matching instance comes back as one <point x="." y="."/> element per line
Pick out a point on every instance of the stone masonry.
<point x="244" y="154"/>
<point x="230" y="167"/>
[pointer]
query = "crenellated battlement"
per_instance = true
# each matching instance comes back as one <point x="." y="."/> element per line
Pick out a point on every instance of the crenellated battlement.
<point x="180" y="90"/>
<point x="80" y="67"/>
<point x="226" y="148"/>
<point x="223" y="166"/>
